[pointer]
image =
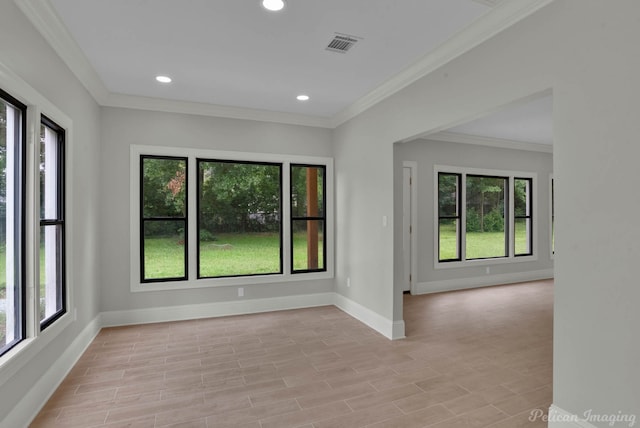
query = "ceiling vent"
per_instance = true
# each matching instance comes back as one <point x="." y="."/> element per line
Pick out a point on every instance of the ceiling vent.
<point x="341" y="43"/>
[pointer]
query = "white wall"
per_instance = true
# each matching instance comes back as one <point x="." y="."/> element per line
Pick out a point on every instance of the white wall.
<point x="427" y="154"/>
<point x="27" y="54"/>
<point x="122" y="128"/>
<point x="585" y="51"/>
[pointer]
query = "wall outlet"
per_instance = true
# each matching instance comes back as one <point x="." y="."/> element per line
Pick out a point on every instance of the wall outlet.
<point x="240" y="291"/>
<point x="488" y="270"/>
<point x="348" y="282"/>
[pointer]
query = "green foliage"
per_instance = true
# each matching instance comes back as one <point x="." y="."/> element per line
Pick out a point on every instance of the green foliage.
<point x="206" y="236"/>
<point x="239" y="197"/>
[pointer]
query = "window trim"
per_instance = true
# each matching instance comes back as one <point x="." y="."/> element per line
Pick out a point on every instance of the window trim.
<point x="20" y="226"/>
<point x="510" y="258"/>
<point x="192" y="154"/>
<point x="36" y="339"/>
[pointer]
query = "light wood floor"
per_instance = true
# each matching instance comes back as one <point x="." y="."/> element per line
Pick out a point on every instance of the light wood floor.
<point x="472" y="358"/>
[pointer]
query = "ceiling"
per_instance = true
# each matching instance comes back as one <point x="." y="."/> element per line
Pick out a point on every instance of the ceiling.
<point x="234" y="58"/>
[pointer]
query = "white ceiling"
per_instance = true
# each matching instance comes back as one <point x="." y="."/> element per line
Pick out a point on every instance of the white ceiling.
<point x="236" y="56"/>
<point x="529" y="122"/>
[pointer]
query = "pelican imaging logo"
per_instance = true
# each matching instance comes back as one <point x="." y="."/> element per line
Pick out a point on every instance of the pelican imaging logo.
<point x="618" y="419"/>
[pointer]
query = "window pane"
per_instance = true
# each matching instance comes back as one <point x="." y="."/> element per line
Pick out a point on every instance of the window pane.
<point x="522" y="192"/>
<point x="164" y="250"/>
<point x="11" y="304"/>
<point x="307" y="213"/>
<point x="307" y="191"/>
<point x="239" y="218"/>
<point x="448" y="191"/>
<point x="164" y="187"/>
<point x="485" y="223"/>
<point x="51" y="278"/>
<point x="522" y="205"/>
<point x="522" y="234"/>
<point x="308" y="245"/>
<point x="448" y="236"/>
<point x="51" y="255"/>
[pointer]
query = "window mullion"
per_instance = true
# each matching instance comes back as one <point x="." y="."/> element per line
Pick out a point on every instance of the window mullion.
<point x="287" y="222"/>
<point x="32" y="220"/>
<point x="463" y="217"/>
<point x="511" y="216"/>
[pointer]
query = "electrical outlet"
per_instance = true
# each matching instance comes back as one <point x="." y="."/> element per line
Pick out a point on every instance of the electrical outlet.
<point x="240" y="291"/>
<point x="488" y="270"/>
<point x="348" y="282"/>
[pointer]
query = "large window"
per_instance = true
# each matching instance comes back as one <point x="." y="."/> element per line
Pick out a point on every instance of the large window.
<point x="52" y="225"/>
<point x="12" y="231"/>
<point x="239" y="218"/>
<point x="207" y="218"/>
<point x="163" y="209"/>
<point x="495" y="208"/>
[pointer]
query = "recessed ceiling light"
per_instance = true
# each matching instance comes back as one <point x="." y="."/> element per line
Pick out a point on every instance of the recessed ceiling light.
<point x="163" y="79"/>
<point x="302" y="97"/>
<point x="273" y="5"/>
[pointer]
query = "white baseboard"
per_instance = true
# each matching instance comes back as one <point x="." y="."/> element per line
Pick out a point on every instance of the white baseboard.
<point x="29" y="406"/>
<point x="480" y="281"/>
<point x="559" y="418"/>
<point x="386" y="327"/>
<point x="218" y="309"/>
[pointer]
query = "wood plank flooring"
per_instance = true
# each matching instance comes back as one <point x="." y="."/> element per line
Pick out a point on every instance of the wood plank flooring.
<point x="474" y="358"/>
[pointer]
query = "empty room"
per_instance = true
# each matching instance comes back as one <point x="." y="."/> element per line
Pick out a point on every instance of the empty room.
<point x="313" y="214"/>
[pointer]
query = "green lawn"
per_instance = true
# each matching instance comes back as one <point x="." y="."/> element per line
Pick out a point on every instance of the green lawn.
<point x="480" y="244"/>
<point x="231" y="254"/>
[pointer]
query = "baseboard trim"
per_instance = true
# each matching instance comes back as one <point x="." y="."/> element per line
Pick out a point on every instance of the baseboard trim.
<point x="29" y="406"/>
<point x="218" y="309"/>
<point x="388" y="328"/>
<point x="481" y="281"/>
<point x="560" y="418"/>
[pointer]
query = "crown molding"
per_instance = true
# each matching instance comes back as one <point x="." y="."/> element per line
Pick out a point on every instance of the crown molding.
<point x="499" y="18"/>
<point x="455" y="137"/>
<point x="45" y="19"/>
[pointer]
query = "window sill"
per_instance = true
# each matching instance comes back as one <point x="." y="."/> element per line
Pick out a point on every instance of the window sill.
<point x="15" y="359"/>
<point x="484" y="262"/>
<point x="137" y="286"/>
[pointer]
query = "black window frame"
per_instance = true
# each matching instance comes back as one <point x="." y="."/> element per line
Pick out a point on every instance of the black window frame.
<point x="279" y="165"/>
<point x="19" y="225"/>
<point x="59" y="220"/>
<point x="505" y="214"/>
<point x="184" y="219"/>
<point x="322" y="218"/>
<point x="528" y="217"/>
<point x="457" y="217"/>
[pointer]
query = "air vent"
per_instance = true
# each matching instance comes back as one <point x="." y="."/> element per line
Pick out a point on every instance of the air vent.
<point x="341" y="43"/>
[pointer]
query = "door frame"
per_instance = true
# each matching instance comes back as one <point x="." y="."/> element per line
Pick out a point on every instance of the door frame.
<point x="412" y="166"/>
